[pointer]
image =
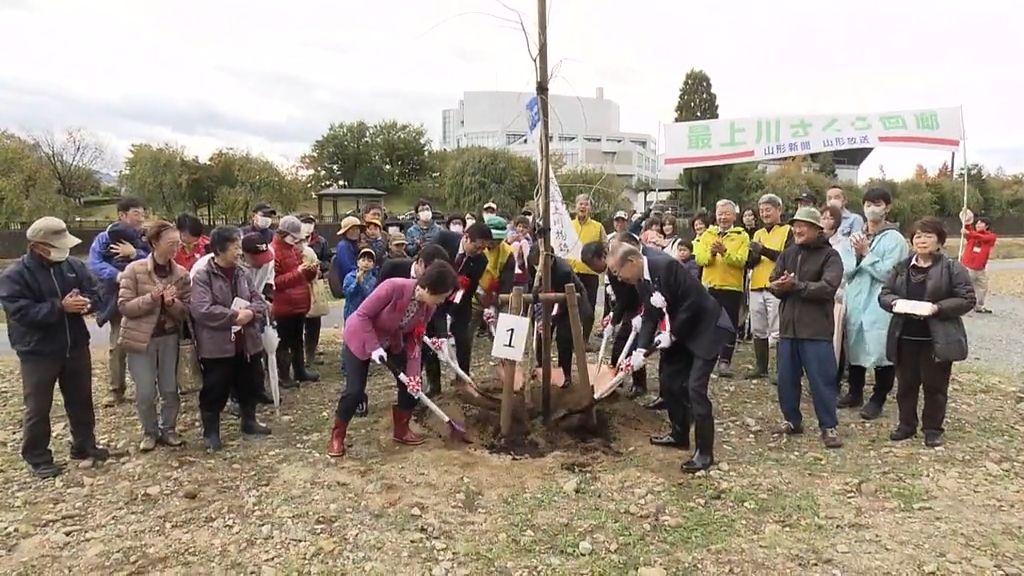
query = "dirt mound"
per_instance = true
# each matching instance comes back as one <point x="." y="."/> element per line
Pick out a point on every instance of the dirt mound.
<point x="577" y="424"/>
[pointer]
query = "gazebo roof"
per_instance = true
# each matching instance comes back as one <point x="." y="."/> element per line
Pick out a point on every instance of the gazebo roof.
<point x="350" y="193"/>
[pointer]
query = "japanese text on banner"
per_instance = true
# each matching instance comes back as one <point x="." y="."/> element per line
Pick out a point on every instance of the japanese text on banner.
<point x="732" y="141"/>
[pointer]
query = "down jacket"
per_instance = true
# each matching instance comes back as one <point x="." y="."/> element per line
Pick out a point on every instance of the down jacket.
<point x="140" y="311"/>
<point x="291" y="281"/>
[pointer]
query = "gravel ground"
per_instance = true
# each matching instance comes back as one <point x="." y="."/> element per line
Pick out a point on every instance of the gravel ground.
<point x="997" y="340"/>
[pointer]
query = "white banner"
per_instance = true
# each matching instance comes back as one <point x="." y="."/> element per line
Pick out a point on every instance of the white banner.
<point x="733" y="141"/>
<point x="564" y="240"/>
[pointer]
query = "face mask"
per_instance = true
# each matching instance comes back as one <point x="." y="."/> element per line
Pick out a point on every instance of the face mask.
<point x="307" y="229"/>
<point x="426" y="215"/>
<point x="59" y="254"/>
<point x="456" y="228"/>
<point x="262" y="222"/>
<point x="874" y="213"/>
<point x="835" y="203"/>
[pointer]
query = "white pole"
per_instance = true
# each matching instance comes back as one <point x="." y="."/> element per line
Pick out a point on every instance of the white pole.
<point x="963" y="162"/>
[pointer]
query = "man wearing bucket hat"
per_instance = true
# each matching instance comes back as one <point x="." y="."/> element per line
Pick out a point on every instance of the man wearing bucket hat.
<point x="805" y="279"/>
<point x="46" y="296"/>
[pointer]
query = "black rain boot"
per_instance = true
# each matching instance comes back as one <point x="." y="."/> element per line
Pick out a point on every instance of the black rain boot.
<point x="703" y="457"/>
<point x="250" y="425"/>
<point x="760" y="360"/>
<point x="211" y="430"/>
<point x="302" y="374"/>
<point x="639" y="386"/>
<point x="284" y="371"/>
<point x="433" y="373"/>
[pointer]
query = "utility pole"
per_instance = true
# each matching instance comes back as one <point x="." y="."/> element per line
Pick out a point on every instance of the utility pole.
<point x="545" y="201"/>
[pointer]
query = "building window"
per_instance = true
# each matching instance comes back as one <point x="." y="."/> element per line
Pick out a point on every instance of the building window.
<point x="593" y="139"/>
<point x="513" y="137"/>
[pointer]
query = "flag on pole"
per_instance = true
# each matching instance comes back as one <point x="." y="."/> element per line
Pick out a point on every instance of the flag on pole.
<point x="564" y="241"/>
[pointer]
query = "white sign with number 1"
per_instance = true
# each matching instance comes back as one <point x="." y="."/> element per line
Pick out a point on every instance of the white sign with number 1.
<point x="510" y="337"/>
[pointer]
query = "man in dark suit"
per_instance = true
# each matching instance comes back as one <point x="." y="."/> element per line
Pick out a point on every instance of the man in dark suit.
<point x="627" y="307"/>
<point x="405" y="267"/>
<point x="561" y="275"/>
<point x="698" y="327"/>
<point x="466" y="252"/>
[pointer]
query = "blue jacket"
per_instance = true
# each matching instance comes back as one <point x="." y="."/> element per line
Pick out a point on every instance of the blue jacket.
<point x="414" y="233"/>
<point x="345" y="258"/>
<point x="867" y="324"/>
<point x="356" y="292"/>
<point x="106" y="275"/>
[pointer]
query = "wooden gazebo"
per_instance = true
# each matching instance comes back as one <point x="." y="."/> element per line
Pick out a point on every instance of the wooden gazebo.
<point x="332" y="195"/>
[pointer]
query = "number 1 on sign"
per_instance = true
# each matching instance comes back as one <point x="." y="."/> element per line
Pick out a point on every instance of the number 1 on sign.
<point x="512" y="343"/>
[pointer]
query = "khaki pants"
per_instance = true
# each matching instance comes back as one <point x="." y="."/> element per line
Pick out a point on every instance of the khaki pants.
<point x="116" y="359"/>
<point x="980" y="280"/>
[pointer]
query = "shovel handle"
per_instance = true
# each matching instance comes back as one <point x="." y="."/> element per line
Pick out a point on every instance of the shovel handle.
<point x="433" y="407"/>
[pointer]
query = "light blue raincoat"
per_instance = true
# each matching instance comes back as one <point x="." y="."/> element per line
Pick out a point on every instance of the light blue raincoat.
<point x="867" y="325"/>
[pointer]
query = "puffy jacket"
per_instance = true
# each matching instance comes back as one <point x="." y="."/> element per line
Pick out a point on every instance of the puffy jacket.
<point x="106" y="274"/>
<point x="345" y="258"/>
<point x="727" y="271"/>
<point x="212" y="316"/>
<point x="948" y="287"/>
<point x="415" y="233"/>
<point x="291" y="281"/>
<point x="140" y="311"/>
<point x="31" y="292"/>
<point x="805" y="312"/>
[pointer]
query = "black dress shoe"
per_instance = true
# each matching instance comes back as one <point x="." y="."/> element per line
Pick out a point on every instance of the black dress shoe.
<point x="902" y="433"/>
<point x="44" y="470"/>
<point x="699" y="461"/>
<point x="669" y="441"/>
<point x="871" y="411"/>
<point x="93" y="452"/>
<point x="656" y="404"/>
<point x="933" y="438"/>
<point x="850" y="401"/>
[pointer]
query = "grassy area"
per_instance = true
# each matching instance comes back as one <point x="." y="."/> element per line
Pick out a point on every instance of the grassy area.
<point x="772" y="506"/>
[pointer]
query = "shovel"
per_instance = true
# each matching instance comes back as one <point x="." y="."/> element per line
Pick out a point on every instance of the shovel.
<point x="445" y="354"/>
<point x="608" y="380"/>
<point x="456" y="431"/>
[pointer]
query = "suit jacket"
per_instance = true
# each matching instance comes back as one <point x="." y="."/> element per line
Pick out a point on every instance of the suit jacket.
<point x="470" y="270"/>
<point x="395" y="268"/>
<point x="699" y="323"/>
<point x="627" y="298"/>
<point x="375" y="324"/>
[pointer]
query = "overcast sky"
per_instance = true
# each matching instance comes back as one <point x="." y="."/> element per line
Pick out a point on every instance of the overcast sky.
<point x="271" y="76"/>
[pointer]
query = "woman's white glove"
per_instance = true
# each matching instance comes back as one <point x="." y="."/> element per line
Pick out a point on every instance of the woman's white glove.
<point x="379" y="356"/>
<point x="637" y="322"/>
<point x="638" y="359"/>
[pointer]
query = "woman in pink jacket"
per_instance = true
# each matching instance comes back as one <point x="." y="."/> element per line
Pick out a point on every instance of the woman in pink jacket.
<point x="388" y="327"/>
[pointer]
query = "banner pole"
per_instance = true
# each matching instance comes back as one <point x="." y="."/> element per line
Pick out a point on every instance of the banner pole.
<point x="963" y="161"/>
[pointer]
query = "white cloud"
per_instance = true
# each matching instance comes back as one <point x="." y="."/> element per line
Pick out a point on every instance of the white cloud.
<point x="270" y="76"/>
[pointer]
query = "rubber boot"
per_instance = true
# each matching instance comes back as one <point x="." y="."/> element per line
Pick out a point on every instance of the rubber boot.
<point x="284" y="361"/>
<point x="433" y="373"/>
<point x="760" y="360"/>
<point x="302" y="374"/>
<point x="250" y="425"/>
<point x="703" y="457"/>
<point x="336" y="447"/>
<point x="403" y="433"/>
<point x="211" y="430"/>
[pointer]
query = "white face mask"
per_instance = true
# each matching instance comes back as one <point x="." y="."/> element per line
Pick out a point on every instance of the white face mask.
<point x="426" y="215"/>
<point x="307" y="229"/>
<point x="262" y="222"/>
<point x="59" y="254"/>
<point x="456" y="228"/>
<point x="836" y="203"/>
<point x="874" y="213"/>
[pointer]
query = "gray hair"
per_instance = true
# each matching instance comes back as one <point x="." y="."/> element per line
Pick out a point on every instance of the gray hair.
<point x="626" y="252"/>
<point x="583" y="196"/>
<point x="726" y="202"/>
<point x="770" y="199"/>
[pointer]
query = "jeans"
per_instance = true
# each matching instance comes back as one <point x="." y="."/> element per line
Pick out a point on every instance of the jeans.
<point x="817" y="359"/>
<point x="73" y="374"/>
<point x="919" y="369"/>
<point x="153" y="370"/>
<point x="731" y="301"/>
<point x="356" y="371"/>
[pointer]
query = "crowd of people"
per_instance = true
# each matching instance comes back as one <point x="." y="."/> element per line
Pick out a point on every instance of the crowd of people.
<point x="825" y="293"/>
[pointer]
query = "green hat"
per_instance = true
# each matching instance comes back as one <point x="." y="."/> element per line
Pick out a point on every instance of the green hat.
<point x="498" y="226"/>
<point x="808" y="214"/>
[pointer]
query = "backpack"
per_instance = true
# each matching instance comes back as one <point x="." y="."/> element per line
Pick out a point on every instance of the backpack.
<point x="334" y="280"/>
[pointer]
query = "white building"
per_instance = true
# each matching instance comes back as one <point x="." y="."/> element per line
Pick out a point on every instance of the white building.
<point x="584" y="131"/>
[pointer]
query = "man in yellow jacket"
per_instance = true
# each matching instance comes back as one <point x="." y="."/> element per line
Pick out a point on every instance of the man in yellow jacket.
<point x="587" y="230"/>
<point x="769" y="241"/>
<point x="722" y="251"/>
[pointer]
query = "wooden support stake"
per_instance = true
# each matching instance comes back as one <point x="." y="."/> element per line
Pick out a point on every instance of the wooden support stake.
<point x="579" y="345"/>
<point x="550" y="298"/>
<point x="515" y="306"/>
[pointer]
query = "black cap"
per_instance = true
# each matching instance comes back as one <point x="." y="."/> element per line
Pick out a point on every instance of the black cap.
<point x="253" y="243"/>
<point x="264" y="209"/>
<point x="807" y="197"/>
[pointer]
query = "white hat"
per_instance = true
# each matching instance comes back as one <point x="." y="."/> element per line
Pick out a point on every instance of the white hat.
<point x="621" y="215"/>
